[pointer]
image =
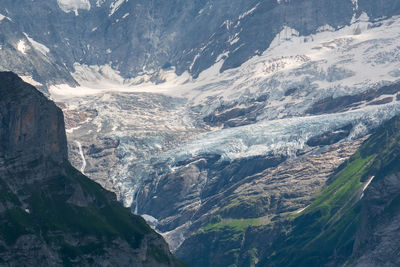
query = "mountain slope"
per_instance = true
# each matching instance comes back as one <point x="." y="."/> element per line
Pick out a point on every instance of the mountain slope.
<point x="156" y="35"/>
<point x="226" y="136"/>
<point x="193" y="111"/>
<point x="50" y="213"/>
<point x="353" y="221"/>
<point x="354" y="215"/>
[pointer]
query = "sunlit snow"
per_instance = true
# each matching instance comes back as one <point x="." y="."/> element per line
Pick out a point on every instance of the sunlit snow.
<point x="115" y="6"/>
<point x="73" y="5"/>
<point x="21" y="47"/>
<point x="38" y="46"/>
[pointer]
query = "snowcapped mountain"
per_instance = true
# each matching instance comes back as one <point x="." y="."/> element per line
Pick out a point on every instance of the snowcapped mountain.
<point x="193" y="111"/>
<point x="143" y="37"/>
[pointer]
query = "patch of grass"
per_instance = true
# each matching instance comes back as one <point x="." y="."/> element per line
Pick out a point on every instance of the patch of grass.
<point x="237" y="225"/>
<point x="344" y="185"/>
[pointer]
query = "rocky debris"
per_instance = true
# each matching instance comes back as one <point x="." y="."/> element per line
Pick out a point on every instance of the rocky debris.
<point x="330" y="137"/>
<point x="261" y="191"/>
<point x="50" y="214"/>
<point x="342" y="103"/>
<point x="236" y="114"/>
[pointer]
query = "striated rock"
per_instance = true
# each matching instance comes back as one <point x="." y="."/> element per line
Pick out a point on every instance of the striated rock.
<point x="50" y="214"/>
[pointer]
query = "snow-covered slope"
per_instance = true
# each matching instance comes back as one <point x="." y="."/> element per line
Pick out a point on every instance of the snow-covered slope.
<point x="145" y="37"/>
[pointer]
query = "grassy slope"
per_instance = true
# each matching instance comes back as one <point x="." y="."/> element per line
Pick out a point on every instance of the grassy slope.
<point x="325" y="231"/>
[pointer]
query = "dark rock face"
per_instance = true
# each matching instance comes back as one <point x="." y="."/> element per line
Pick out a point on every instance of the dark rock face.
<point x="377" y="241"/>
<point x="32" y="128"/>
<point x="50" y="214"/>
<point x="330" y="138"/>
<point x="234" y="115"/>
<point x="343" y="103"/>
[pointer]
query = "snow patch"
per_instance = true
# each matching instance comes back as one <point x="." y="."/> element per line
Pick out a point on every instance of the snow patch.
<point x="149" y="219"/>
<point x="82" y="157"/>
<point x="21" y="47"/>
<point x="366" y="185"/>
<point x="326" y="27"/>
<point x="301" y="210"/>
<point x="368" y="182"/>
<point x="234" y="41"/>
<point x="38" y="46"/>
<point x="100" y="2"/>
<point x="73" y="5"/>
<point x="355" y="4"/>
<point x="115" y="6"/>
<point x="4" y="17"/>
<point x="30" y="80"/>
<point x="362" y="18"/>
<point x="194" y="61"/>
<point x="248" y="12"/>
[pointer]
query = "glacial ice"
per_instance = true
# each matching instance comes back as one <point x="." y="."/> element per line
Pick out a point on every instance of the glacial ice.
<point x="348" y="61"/>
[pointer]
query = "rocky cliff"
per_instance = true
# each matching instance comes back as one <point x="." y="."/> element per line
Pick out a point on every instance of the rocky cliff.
<point x="51" y="214"/>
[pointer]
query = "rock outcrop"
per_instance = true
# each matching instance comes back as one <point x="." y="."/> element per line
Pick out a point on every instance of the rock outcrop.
<point x="51" y="214"/>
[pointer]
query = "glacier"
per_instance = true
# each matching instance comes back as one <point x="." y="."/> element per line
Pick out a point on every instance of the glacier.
<point x="163" y="123"/>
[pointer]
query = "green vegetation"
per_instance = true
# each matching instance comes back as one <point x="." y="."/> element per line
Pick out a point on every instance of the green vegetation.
<point x="157" y="254"/>
<point x="323" y="233"/>
<point x="326" y="230"/>
<point x="99" y="217"/>
<point x="342" y="188"/>
<point x="245" y="207"/>
<point x="235" y="225"/>
<point x="95" y="213"/>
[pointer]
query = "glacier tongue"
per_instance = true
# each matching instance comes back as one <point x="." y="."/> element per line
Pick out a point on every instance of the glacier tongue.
<point x="162" y="124"/>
